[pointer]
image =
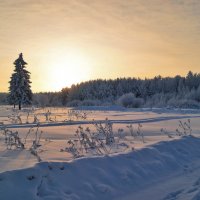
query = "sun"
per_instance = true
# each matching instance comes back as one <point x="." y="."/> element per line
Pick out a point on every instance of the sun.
<point x="66" y="69"/>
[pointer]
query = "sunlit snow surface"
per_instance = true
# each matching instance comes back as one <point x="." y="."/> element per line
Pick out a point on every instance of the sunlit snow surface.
<point x="161" y="168"/>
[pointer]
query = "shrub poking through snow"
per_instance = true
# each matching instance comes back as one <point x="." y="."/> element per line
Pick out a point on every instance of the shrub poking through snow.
<point x="120" y="133"/>
<point x="140" y="133"/>
<point x="184" y="128"/>
<point x="31" y="129"/>
<point x="87" y="142"/>
<point x="73" y="149"/>
<point x="12" y="138"/>
<point x="137" y="133"/>
<point x="188" y="126"/>
<point x="76" y="115"/>
<point x="47" y="115"/>
<point x="35" y="119"/>
<point x="100" y="142"/>
<point x="106" y="130"/>
<point x="15" y="118"/>
<point x="131" y="130"/>
<point x="27" y="117"/>
<point x="36" y="143"/>
<point x="165" y="132"/>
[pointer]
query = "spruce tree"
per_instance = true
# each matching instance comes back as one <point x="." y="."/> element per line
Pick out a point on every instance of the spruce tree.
<point x="12" y="88"/>
<point x="20" y="89"/>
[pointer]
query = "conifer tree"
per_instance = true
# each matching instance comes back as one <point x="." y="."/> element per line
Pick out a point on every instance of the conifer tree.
<point x="20" y="89"/>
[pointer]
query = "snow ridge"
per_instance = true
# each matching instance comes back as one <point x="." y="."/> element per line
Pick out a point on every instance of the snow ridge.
<point x="109" y="177"/>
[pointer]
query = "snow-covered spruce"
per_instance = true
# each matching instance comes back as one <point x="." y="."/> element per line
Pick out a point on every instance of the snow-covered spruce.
<point x="20" y="89"/>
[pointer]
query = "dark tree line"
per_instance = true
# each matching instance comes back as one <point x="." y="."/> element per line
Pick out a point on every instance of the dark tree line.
<point x="154" y="92"/>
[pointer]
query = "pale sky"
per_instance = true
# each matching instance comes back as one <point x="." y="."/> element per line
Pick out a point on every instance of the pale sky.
<point x="69" y="41"/>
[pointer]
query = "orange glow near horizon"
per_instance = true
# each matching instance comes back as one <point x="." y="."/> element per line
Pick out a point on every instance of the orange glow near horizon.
<point x="66" y="42"/>
<point x="66" y="67"/>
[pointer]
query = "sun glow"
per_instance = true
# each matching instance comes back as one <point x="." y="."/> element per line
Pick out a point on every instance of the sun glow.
<point x="67" y="69"/>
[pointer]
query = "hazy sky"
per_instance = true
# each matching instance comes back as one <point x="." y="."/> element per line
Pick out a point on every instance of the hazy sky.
<point x="68" y="41"/>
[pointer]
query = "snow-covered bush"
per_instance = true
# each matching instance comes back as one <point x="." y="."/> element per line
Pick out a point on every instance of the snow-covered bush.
<point x="130" y="101"/>
<point x="85" y="142"/>
<point x="106" y="130"/>
<point x="99" y="142"/>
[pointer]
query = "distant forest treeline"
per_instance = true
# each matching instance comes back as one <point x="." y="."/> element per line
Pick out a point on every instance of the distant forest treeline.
<point x="175" y="91"/>
<point x="134" y="92"/>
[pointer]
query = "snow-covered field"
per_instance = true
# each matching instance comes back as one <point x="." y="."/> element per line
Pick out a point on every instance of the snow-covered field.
<point x="162" y="167"/>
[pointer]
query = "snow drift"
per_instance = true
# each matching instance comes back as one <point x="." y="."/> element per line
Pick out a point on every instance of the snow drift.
<point x="109" y="177"/>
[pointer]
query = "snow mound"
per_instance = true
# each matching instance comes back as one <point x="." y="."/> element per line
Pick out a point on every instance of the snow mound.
<point x="109" y="177"/>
